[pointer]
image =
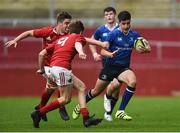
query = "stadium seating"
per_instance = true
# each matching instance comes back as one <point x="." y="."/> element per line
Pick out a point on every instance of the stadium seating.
<point x="39" y="8"/>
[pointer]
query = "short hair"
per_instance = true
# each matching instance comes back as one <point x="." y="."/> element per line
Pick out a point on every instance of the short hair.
<point x="108" y="9"/>
<point x="76" y="27"/>
<point x="124" y="15"/>
<point x="62" y="16"/>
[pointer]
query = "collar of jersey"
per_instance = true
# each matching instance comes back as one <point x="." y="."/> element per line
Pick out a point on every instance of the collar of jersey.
<point x="112" y="27"/>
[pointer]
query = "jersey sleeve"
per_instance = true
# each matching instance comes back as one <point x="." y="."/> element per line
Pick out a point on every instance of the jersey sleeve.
<point x="81" y="39"/>
<point x="96" y="34"/>
<point x="137" y="35"/>
<point x="50" y="48"/>
<point x="41" y="32"/>
<point x="111" y="37"/>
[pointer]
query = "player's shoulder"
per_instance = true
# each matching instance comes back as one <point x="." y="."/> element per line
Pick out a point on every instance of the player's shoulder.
<point x="48" y="28"/>
<point x="133" y="32"/>
<point x="115" y="31"/>
<point x="76" y="36"/>
<point x="101" y="28"/>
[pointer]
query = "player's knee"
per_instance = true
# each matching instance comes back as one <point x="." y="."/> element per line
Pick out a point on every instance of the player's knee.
<point x="95" y="92"/>
<point x="81" y="87"/>
<point x="115" y="86"/>
<point x="64" y="100"/>
<point x="50" y="88"/>
<point x="132" y="83"/>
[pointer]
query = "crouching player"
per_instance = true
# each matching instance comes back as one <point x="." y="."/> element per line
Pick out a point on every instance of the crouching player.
<point x="63" y="52"/>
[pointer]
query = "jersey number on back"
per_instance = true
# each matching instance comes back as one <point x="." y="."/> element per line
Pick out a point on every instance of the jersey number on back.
<point x="62" y="41"/>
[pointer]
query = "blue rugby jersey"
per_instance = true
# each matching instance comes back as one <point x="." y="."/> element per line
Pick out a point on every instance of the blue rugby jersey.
<point x="101" y="34"/>
<point x="123" y="42"/>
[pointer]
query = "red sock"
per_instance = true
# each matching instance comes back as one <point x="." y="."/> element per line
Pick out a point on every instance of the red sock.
<point x="51" y="106"/>
<point x="84" y="112"/>
<point x="44" y="98"/>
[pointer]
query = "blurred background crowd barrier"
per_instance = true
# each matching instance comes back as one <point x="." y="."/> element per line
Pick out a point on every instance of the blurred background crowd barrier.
<point x="157" y="20"/>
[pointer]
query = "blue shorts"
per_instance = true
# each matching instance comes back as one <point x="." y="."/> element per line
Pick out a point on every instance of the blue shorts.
<point x="109" y="72"/>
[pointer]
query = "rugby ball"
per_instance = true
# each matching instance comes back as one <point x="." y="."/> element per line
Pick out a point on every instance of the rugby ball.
<point x="139" y="43"/>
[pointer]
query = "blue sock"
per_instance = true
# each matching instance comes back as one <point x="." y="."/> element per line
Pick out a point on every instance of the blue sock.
<point x="128" y="93"/>
<point x="89" y="96"/>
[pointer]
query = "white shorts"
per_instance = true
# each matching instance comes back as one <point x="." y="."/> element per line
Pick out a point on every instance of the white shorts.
<point x="61" y="76"/>
<point x="47" y="70"/>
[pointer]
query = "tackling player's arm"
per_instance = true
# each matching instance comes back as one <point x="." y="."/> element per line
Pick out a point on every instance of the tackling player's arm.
<point x="18" y="38"/>
<point x="41" y="58"/>
<point x="98" y="43"/>
<point x="79" y="48"/>
<point x="108" y="54"/>
<point x="42" y="55"/>
<point x="96" y="56"/>
<point x="103" y="45"/>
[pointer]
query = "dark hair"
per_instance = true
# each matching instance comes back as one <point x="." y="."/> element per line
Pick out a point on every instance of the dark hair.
<point x="76" y="27"/>
<point x="108" y="9"/>
<point x="62" y="16"/>
<point x="124" y="15"/>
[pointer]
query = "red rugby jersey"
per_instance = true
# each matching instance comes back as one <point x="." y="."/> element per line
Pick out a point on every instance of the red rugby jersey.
<point x="63" y="50"/>
<point x="49" y="35"/>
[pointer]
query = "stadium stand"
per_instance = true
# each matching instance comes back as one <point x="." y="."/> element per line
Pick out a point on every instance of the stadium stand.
<point x="140" y="9"/>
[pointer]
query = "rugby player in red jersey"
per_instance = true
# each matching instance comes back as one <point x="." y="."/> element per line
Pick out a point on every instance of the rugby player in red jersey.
<point x="48" y="34"/>
<point x="63" y="51"/>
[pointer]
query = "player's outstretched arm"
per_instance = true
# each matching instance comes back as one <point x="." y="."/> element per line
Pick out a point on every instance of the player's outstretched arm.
<point x="108" y="54"/>
<point x="79" y="48"/>
<point x="98" y="43"/>
<point x="18" y="38"/>
<point x="96" y="56"/>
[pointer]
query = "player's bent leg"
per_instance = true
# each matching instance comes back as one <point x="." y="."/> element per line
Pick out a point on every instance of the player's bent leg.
<point x="112" y="88"/>
<point x="99" y="87"/>
<point x="110" y="99"/>
<point x="107" y="103"/>
<point x="64" y="99"/>
<point x="50" y="88"/>
<point x="120" y="114"/>
<point x="129" y="78"/>
<point x="62" y="112"/>
<point x="80" y="86"/>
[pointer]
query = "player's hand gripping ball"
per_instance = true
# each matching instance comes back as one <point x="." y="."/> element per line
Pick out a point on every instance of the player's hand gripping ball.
<point x="141" y="45"/>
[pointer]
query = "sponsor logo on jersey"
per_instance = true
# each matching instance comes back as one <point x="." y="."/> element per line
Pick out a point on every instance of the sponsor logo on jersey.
<point x="48" y="38"/>
<point x="119" y="38"/>
<point x="105" y="34"/>
<point x="104" y="77"/>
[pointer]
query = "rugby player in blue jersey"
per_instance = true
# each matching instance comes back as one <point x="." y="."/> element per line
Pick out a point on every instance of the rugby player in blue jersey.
<point x="101" y="34"/>
<point x="121" y="39"/>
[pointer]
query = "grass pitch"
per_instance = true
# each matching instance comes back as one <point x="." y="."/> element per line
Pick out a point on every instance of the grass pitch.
<point x="149" y="114"/>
